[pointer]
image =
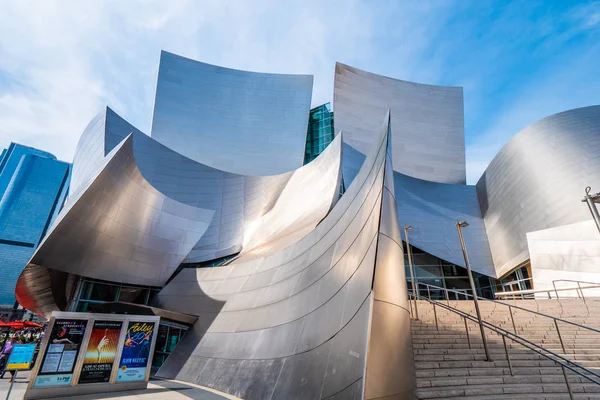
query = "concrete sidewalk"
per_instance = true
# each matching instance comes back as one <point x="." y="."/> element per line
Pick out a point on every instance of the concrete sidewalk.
<point x="157" y="389"/>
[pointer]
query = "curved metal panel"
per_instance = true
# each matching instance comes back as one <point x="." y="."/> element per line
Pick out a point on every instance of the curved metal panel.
<point x="237" y="121"/>
<point x="298" y="310"/>
<point x="118" y="228"/>
<point x="432" y="210"/>
<point x="536" y="182"/>
<point x="428" y="121"/>
<point x="241" y="204"/>
<point x="389" y="372"/>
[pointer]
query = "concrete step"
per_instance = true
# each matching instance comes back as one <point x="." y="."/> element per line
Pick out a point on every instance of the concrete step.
<point x="450" y="363"/>
<point x="457" y="390"/>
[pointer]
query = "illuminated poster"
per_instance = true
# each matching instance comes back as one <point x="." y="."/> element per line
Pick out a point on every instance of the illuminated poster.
<point x="136" y="352"/>
<point x="61" y="354"/>
<point x="101" y="352"/>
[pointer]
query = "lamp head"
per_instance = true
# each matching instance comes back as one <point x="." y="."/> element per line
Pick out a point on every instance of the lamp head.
<point x="462" y="224"/>
<point x="407" y="227"/>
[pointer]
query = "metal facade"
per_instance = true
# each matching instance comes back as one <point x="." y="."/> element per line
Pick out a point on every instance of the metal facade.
<point x="116" y="228"/>
<point x="237" y="121"/>
<point x="432" y="210"/>
<point x="537" y="180"/>
<point x="239" y="202"/>
<point x="295" y="323"/>
<point x="427" y="120"/>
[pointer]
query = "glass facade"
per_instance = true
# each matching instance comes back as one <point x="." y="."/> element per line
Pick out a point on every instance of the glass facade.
<point x="92" y="294"/>
<point x="169" y="334"/>
<point x="434" y="271"/>
<point x="33" y="187"/>
<point x="320" y="131"/>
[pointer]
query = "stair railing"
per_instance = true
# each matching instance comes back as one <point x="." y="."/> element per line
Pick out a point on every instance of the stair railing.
<point x="556" y="320"/>
<point x="578" y="289"/>
<point x="563" y="361"/>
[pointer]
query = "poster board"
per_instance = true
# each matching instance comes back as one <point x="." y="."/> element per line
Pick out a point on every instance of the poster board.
<point x="81" y="353"/>
<point x="135" y="357"/>
<point x="101" y="352"/>
<point x="21" y="356"/>
<point x="61" y="353"/>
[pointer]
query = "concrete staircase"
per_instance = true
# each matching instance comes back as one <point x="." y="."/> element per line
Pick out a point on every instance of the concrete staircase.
<point x="448" y="369"/>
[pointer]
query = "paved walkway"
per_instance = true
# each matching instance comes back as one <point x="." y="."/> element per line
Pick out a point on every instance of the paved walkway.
<point x="157" y="389"/>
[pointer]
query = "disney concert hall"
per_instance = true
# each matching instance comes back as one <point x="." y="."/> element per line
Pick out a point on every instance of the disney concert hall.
<point x="281" y="245"/>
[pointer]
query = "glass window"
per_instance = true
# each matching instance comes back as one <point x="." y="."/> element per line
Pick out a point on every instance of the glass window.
<point x="135" y="295"/>
<point x="161" y="338"/>
<point x="173" y="338"/>
<point x="99" y="291"/>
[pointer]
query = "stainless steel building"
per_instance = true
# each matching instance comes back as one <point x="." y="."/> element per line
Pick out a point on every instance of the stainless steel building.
<point x="290" y="278"/>
<point x="261" y="119"/>
<point x="428" y="122"/>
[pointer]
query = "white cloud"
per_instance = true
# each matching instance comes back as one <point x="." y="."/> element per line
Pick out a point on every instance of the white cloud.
<point x="65" y="60"/>
<point x="62" y="61"/>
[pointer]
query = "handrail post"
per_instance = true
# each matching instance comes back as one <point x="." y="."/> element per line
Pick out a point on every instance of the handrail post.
<point x="459" y="226"/>
<point x="564" y="370"/>
<point x="591" y="203"/>
<point x="410" y="267"/>
<point x="512" y="319"/>
<point x="562" y="344"/>
<point x="467" y="330"/>
<point x="428" y="293"/>
<point x="447" y="297"/>
<point x="437" y="328"/>
<point x="581" y="291"/>
<point x="507" y="356"/>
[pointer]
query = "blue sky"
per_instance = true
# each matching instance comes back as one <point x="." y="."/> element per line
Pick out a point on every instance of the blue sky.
<point x="60" y="62"/>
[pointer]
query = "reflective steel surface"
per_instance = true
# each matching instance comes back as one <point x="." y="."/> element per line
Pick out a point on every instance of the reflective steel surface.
<point x="241" y="203"/>
<point x="293" y="322"/>
<point x="117" y="227"/>
<point x="427" y="121"/>
<point x="536" y="182"/>
<point x="237" y="121"/>
<point x="432" y="210"/>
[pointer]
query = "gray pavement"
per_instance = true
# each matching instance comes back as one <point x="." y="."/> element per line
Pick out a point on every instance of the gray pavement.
<point x="157" y="389"/>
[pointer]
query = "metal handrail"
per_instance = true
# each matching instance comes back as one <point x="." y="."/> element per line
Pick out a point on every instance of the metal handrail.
<point x="511" y="306"/>
<point x="578" y="289"/>
<point x="555" y="357"/>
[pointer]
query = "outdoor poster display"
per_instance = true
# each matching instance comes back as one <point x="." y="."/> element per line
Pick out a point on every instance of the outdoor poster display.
<point x="21" y="356"/>
<point x="61" y="354"/>
<point x="136" y="352"/>
<point x="101" y="352"/>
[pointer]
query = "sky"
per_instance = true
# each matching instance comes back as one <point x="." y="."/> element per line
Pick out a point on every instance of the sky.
<point x="61" y="62"/>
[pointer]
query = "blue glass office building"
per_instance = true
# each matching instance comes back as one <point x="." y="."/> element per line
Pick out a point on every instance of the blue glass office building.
<point x="33" y="186"/>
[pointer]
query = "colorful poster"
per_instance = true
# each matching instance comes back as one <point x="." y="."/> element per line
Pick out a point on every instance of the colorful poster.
<point x="136" y="352"/>
<point x="101" y="352"/>
<point x="61" y="353"/>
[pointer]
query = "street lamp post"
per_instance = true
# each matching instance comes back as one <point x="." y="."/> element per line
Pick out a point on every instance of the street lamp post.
<point x="459" y="226"/>
<point x="410" y="267"/>
<point x="591" y="201"/>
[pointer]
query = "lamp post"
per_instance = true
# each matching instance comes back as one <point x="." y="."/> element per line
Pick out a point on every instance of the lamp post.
<point x="459" y="226"/>
<point x="410" y="267"/>
<point x="591" y="201"/>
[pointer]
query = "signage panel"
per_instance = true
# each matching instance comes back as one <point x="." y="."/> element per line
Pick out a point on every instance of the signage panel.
<point x="101" y="352"/>
<point x="61" y="354"/>
<point x="136" y="351"/>
<point x="21" y="356"/>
